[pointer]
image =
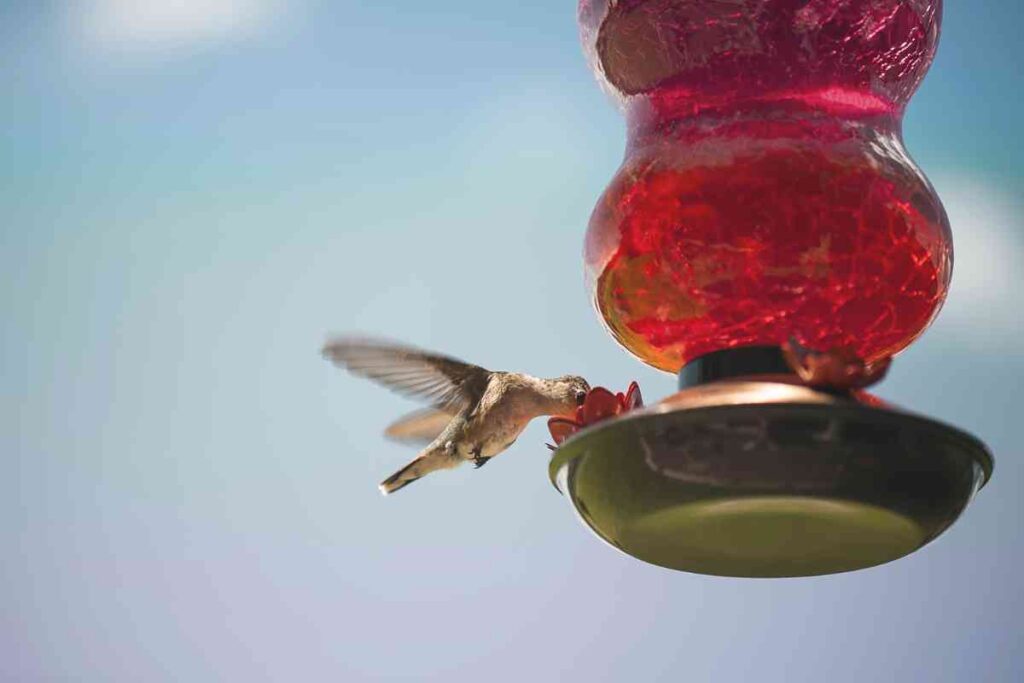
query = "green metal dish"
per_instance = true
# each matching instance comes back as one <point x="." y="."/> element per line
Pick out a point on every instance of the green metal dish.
<point x="769" y="479"/>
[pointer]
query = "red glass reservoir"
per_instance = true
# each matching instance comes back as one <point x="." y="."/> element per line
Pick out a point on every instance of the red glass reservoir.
<point x="766" y="192"/>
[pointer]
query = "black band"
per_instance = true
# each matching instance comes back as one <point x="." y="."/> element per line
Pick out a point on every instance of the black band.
<point x="743" y="361"/>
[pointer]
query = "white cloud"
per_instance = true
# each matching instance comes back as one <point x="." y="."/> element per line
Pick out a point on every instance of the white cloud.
<point x="169" y="25"/>
<point x="983" y="310"/>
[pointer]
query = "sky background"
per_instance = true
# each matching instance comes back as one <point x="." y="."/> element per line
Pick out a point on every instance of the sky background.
<point x="192" y="198"/>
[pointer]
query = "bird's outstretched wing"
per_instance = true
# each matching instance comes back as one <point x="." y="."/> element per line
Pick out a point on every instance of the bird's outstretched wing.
<point x="422" y="426"/>
<point x="450" y="385"/>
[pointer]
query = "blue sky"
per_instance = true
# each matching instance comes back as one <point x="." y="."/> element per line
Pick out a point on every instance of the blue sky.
<point x="193" y="198"/>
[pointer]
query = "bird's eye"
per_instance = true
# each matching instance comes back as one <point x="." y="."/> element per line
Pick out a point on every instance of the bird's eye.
<point x="581" y="396"/>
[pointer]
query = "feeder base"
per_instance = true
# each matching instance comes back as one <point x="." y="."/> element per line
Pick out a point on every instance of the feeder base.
<point x="773" y="536"/>
<point x="765" y="477"/>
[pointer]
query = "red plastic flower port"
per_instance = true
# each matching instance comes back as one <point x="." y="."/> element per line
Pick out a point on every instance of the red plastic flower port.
<point x="600" y="404"/>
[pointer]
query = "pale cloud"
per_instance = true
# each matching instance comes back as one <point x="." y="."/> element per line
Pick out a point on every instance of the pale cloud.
<point x="157" y="26"/>
<point x="983" y="310"/>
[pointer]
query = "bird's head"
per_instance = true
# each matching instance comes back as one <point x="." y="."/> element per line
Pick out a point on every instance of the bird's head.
<point x="569" y="392"/>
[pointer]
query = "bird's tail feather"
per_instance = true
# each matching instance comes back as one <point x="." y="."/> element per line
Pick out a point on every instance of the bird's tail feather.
<point x="401" y="478"/>
<point x="430" y="460"/>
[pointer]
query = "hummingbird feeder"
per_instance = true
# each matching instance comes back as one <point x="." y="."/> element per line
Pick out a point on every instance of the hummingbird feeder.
<point x="768" y="239"/>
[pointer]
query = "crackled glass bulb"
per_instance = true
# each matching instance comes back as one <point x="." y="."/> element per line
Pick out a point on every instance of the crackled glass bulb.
<point x="765" y="193"/>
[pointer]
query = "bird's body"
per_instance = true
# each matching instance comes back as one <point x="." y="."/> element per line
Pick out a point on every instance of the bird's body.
<point x="476" y="413"/>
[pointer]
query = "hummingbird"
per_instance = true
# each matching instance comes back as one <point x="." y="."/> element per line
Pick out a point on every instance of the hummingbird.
<point x="474" y="413"/>
<point x="839" y="368"/>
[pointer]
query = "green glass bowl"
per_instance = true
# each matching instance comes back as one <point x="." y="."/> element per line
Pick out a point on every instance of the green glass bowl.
<point x="769" y="479"/>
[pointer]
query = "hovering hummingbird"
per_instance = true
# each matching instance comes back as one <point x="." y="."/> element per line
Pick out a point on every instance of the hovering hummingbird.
<point x="840" y="368"/>
<point x="475" y="414"/>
